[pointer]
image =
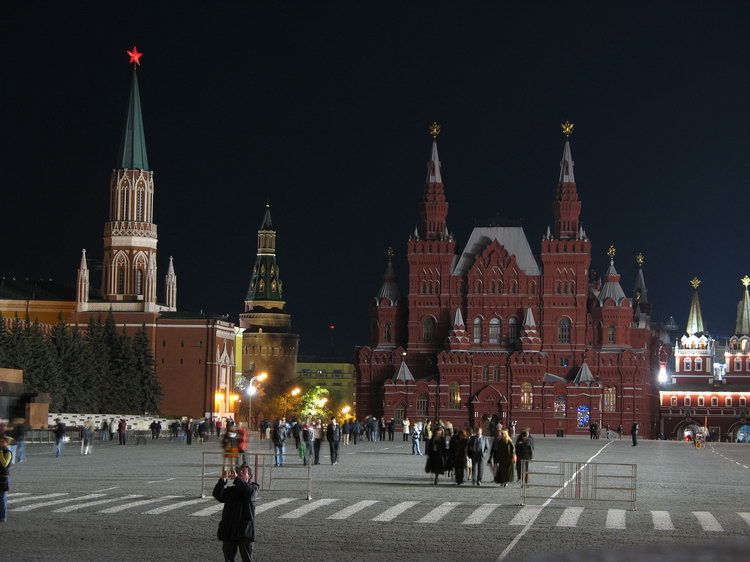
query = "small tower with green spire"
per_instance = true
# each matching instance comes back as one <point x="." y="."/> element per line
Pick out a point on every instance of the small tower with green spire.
<point x="267" y="344"/>
<point x="694" y="351"/>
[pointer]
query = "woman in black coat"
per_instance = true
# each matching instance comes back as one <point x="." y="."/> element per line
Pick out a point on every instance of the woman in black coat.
<point x="502" y="456"/>
<point x="524" y="452"/>
<point x="437" y="453"/>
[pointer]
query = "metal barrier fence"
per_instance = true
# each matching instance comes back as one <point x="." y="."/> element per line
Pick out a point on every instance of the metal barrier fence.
<point x="579" y="481"/>
<point x="74" y="435"/>
<point x="265" y="473"/>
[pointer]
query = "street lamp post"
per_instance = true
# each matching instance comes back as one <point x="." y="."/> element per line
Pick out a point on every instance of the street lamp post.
<point x="251" y="391"/>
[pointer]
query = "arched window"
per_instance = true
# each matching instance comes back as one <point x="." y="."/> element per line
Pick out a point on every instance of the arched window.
<point x="673" y="401"/>
<point x="477" y="330"/>
<point x="687" y="364"/>
<point x="387" y="333"/>
<point x="583" y="417"/>
<point x="698" y="365"/>
<point x="747" y="364"/>
<point x="527" y="396"/>
<point x="611" y="338"/>
<point x="485" y="373"/>
<point x="454" y="394"/>
<point x="686" y="401"/>
<point x="399" y="413"/>
<point x="138" y="281"/>
<point x="139" y="206"/>
<point x="743" y="401"/>
<point x="495" y="330"/>
<point x="422" y="405"/>
<point x="496" y="373"/>
<point x="714" y="401"/>
<point x="560" y="406"/>
<point x="428" y="329"/>
<point x="124" y="209"/>
<point x="513" y="287"/>
<point x="513" y="329"/>
<point x="563" y="330"/>
<point x="737" y="364"/>
<point x="532" y="288"/>
<point x="701" y="401"/>
<point x="424" y="287"/>
<point x="728" y="401"/>
<point x="610" y="399"/>
<point x="120" y="280"/>
<point x="478" y="287"/>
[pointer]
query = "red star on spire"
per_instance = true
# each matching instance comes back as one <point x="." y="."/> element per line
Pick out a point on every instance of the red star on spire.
<point x="135" y="56"/>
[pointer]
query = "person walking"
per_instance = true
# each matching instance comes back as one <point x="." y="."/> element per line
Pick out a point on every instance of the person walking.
<point x="416" y="438"/>
<point x="524" y="452"/>
<point x="619" y="431"/>
<point x="318" y="428"/>
<point x="607" y="430"/>
<point x="478" y="448"/>
<point x="19" y="436"/>
<point x="87" y="437"/>
<point x="189" y="431"/>
<point x="307" y="435"/>
<point x="237" y="526"/>
<point x="457" y="451"/>
<point x="6" y="457"/>
<point x="230" y="442"/>
<point x="278" y="436"/>
<point x="634" y="433"/>
<point x="391" y="429"/>
<point x="333" y="435"/>
<point x="405" y="429"/>
<point x="122" y="430"/>
<point x="346" y="429"/>
<point x="437" y="452"/>
<point x="59" y="437"/>
<point x="503" y="457"/>
<point x="104" y="431"/>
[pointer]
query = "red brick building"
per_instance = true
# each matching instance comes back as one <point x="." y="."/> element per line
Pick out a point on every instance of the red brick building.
<point x="494" y="329"/>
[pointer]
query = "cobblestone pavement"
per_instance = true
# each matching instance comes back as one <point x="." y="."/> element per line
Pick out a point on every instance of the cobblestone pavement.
<point x="142" y="502"/>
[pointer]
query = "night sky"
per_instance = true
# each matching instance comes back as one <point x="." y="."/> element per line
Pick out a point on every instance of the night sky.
<point x="324" y="109"/>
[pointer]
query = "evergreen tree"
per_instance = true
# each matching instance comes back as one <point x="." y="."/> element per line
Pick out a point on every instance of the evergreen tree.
<point x="98" y="391"/>
<point x="3" y="344"/>
<point x="71" y="354"/>
<point x="150" y="391"/>
<point x="41" y="366"/>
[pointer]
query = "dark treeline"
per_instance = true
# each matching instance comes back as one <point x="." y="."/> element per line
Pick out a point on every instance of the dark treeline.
<point x="95" y="370"/>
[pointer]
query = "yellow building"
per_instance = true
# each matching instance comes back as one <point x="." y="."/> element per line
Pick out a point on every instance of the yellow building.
<point x="339" y="378"/>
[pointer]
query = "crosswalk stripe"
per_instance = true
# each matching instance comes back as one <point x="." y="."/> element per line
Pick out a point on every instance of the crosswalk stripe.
<point x="439" y="512"/>
<point x="480" y="514"/>
<point x="76" y="507"/>
<point x="708" y="522"/>
<point x="305" y="509"/>
<point x="526" y="514"/>
<point x="352" y="509"/>
<point x="21" y="494"/>
<point x="172" y="506"/>
<point x="615" y="519"/>
<point x="210" y="510"/>
<point x="56" y="502"/>
<point x="662" y="521"/>
<point x="392" y="512"/>
<point x="123" y="507"/>
<point x="270" y="505"/>
<point x="44" y="497"/>
<point x="745" y="516"/>
<point x="569" y="517"/>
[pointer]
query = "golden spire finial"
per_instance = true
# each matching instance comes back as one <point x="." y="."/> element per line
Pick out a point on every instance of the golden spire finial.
<point x="567" y="128"/>
<point x="639" y="259"/>
<point x="611" y="251"/>
<point x="695" y="282"/>
<point x="434" y="129"/>
<point x="390" y="253"/>
<point x="745" y="281"/>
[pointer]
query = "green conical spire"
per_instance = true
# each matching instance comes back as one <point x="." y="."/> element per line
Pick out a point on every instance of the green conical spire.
<point x="695" y="317"/>
<point x="267" y="223"/>
<point x="132" y="153"/>
<point x="265" y="283"/>
<point x="743" y="311"/>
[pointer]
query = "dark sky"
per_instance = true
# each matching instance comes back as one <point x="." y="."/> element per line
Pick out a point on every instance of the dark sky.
<point x="324" y="108"/>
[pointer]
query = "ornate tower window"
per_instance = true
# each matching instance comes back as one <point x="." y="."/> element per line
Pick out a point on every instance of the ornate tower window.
<point x="563" y="330"/>
<point x="532" y="288"/>
<point x="428" y="329"/>
<point x="673" y="401"/>
<point x="513" y="329"/>
<point x="125" y="200"/>
<point x="728" y="401"/>
<point x="714" y="401"/>
<point x="583" y="417"/>
<point x="422" y="405"/>
<point x="701" y="401"/>
<point x="687" y="364"/>
<point x="610" y="399"/>
<point x="513" y="287"/>
<point x="737" y="364"/>
<point x="454" y="395"/>
<point x="743" y="401"/>
<point x="611" y="335"/>
<point x="686" y="401"/>
<point x="698" y="365"/>
<point x="138" y="281"/>
<point x="477" y="330"/>
<point x="560" y="406"/>
<point x="495" y="330"/>
<point x="527" y="396"/>
<point x="139" y="206"/>
<point x="120" y="279"/>
<point x="387" y="333"/>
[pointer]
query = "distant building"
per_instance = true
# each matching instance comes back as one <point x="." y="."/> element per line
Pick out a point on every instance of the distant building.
<point x="495" y="330"/>
<point x="337" y="376"/>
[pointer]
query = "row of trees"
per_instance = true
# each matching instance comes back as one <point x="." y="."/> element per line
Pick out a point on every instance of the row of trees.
<point x="92" y="370"/>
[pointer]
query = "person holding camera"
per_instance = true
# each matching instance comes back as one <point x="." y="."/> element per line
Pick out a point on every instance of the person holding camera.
<point x="237" y="526"/>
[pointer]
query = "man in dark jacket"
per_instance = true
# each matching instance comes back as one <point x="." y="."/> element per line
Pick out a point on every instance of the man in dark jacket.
<point x="478" y="449"/>
<point x="333" y="435"/>
<point x="237" y="526"/>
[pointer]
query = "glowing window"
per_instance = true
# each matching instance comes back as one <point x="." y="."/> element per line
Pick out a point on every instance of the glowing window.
<point x="673" y="401"/>
<point x="560" y="407"/>
<point x="737" y="364"/>
<point x="686" y="401"/>
<point x="698" y="366"/>
<point x="583" y="416"/>
<point x="527" y="396"/>
<point x="743" y="401"/>
<point x="610" y="399"/>
<point x="454" y="395"/>
<point x="701" y="401"/>
<point x="611" y="337"/>
<point x="714" y="401"/>
<point x="728" y="401"/>
<point x="687" y="364"/>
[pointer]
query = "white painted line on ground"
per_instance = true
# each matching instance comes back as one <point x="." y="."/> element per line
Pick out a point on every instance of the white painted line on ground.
<point x="392" y="512"/>
<point x="615" y="519"/>
<point x="19" y="494"/>
<point x="305" y="509"/>
<point x="526" y="514"/>
<point x="523" y="531"/>
<point x="173" y="506"/>
<point x="439" y="512"/>
<point x="569" y="517"/>
<point x="123" y="507"/>
<point x="745" y="516"/>
<point x="210" y="510"/>
<point x="105" y="489"/>
<point x="708" y="522"/>
<point x="352" y="509"/>
<point x="662" y="521"/>
<point x="480" y="514"/>
<point x="270" y="505"/>
<point x="386" y="448"/>
<point x="167" y="480"/>
<point x="56" y="502"/>
<point x="44" y="497"/>
<point x="76" y="507"/>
